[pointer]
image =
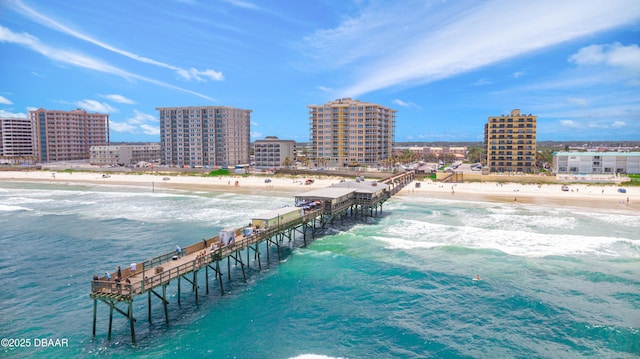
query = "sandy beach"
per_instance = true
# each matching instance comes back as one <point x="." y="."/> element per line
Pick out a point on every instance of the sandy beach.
<point x="579" y="195"/>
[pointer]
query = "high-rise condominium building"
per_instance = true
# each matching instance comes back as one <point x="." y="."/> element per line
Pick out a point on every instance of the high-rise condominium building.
<point x="68" y="135"/>
<point x="16" y="140"/>
<point x="274" y="153"/>
<point x="202" y="136"/>
<point x="510" y="142"/>
<point x="348" y="132"/>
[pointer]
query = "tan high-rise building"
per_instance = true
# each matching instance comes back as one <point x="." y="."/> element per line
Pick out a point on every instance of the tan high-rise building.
<point x="68" y="135"/>
<point x="348" y="132"/>
<point x="510" y="143"/>
<point x="204" y="136"/>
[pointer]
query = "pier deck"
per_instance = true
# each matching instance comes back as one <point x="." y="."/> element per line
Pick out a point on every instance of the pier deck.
<point x="157" y="273"/>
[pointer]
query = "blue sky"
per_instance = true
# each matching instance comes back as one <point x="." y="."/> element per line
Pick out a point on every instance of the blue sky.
<point x="446" y="66"/>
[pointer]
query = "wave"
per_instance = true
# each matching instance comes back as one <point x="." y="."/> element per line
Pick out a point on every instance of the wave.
<point x="9" y="208"/>
<point x="513" y="239"/>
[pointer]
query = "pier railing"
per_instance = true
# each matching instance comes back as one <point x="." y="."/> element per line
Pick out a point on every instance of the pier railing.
<point x="154" y="274"/>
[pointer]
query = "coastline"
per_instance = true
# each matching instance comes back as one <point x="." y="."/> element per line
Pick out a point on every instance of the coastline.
<point x="595" y="196"/>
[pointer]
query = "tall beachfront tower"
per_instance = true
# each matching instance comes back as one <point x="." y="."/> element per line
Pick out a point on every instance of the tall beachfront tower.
<point x="204" y="136"/>
<point x="348" y="132"/>
<point x="68" y="135"/>
<point x="510" y="143"/>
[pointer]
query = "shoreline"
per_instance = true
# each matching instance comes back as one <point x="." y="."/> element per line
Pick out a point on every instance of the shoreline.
<point x="590" y="196"/>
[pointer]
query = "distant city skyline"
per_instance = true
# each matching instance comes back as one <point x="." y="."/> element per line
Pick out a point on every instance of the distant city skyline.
<point x="446" y="67"/>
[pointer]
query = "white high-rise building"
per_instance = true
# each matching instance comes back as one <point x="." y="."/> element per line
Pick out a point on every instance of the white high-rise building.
<point x="204" y="136"/>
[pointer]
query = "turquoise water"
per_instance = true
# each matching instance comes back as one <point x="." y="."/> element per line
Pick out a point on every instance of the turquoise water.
<point x="556" y="283"/>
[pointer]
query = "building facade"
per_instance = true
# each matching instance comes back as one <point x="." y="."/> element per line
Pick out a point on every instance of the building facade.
<point x="17" y="140"/>
<point x="348" y="132"/>
<point x="510" y="143"/>
<point x="596" y="162"/>
<point x="204" y="136"/>
<point x="274" y="153"/>
<point x="124" y="154"/>
<point x="68" y="135"/>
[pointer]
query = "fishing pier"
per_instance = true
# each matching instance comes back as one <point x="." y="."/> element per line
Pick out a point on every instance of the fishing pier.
<point x="312" y="213"/>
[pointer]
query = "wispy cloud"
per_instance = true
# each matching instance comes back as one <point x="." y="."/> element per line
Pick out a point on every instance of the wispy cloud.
<point x="405" y="104"/>
<point x="95" y="106"/>
<point x="440" y="40"/>
<point x="81" y="60"/>
<point x="482" y="82"/>
<point x="118" y="99"/>
<point x="242" y="4"/>
<point x="7" y="114"/>
<point x="139" y="123"/>
<point x="5" y="101"/>
<point x="578" y="101"/>
<point x="188" y="74"/>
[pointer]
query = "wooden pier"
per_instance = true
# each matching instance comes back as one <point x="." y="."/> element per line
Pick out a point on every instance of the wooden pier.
<point x="317" y="210"/>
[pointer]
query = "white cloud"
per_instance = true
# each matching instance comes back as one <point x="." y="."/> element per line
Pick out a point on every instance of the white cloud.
<point x="518" y="74"/>
<point x="618" y="124"/>
<point x="325" y="89"/>
<point x="139" y="123"/>
<point x="42" y="19"/>
<point x="95" y="106"/>
<point x="483" y="82"/>
<point x="140" y="118"/>
<point x="614" y="55"/>
<point x="242" y="4"/>
<point x="200" y="76"/>
<point x="118" y="99"/>
<point x="569" y="123"/>
<point x="150" y="130"/>
<point x="121" y="127"/>
<point x="5" y="101"/>
<point x="442" y="39"/>
<point x="7" y="114"/>
<point x="578" y="101"/>
<point x="255" y="134"/>
<point x="401" y="103"/>
<point x="80" y="60"/>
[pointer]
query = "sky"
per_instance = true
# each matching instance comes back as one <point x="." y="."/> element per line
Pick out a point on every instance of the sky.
<point x="445" y="66"/>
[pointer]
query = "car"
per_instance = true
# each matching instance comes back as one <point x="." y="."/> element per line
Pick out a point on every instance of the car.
<point x="166" y="178"/>
<point x="565" y="188"/>
<point x="622" y="190"/>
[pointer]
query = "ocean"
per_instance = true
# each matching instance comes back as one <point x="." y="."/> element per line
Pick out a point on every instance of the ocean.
<point x="556" y="282"/>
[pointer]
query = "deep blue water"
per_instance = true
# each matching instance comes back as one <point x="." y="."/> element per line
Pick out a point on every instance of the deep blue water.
<point x="556" y="283"/>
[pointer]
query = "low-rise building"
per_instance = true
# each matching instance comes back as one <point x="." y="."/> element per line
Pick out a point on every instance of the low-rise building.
<point x="274" y="153"/>
<point x="596" y="162"/>
<point x="124" y="154"/>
